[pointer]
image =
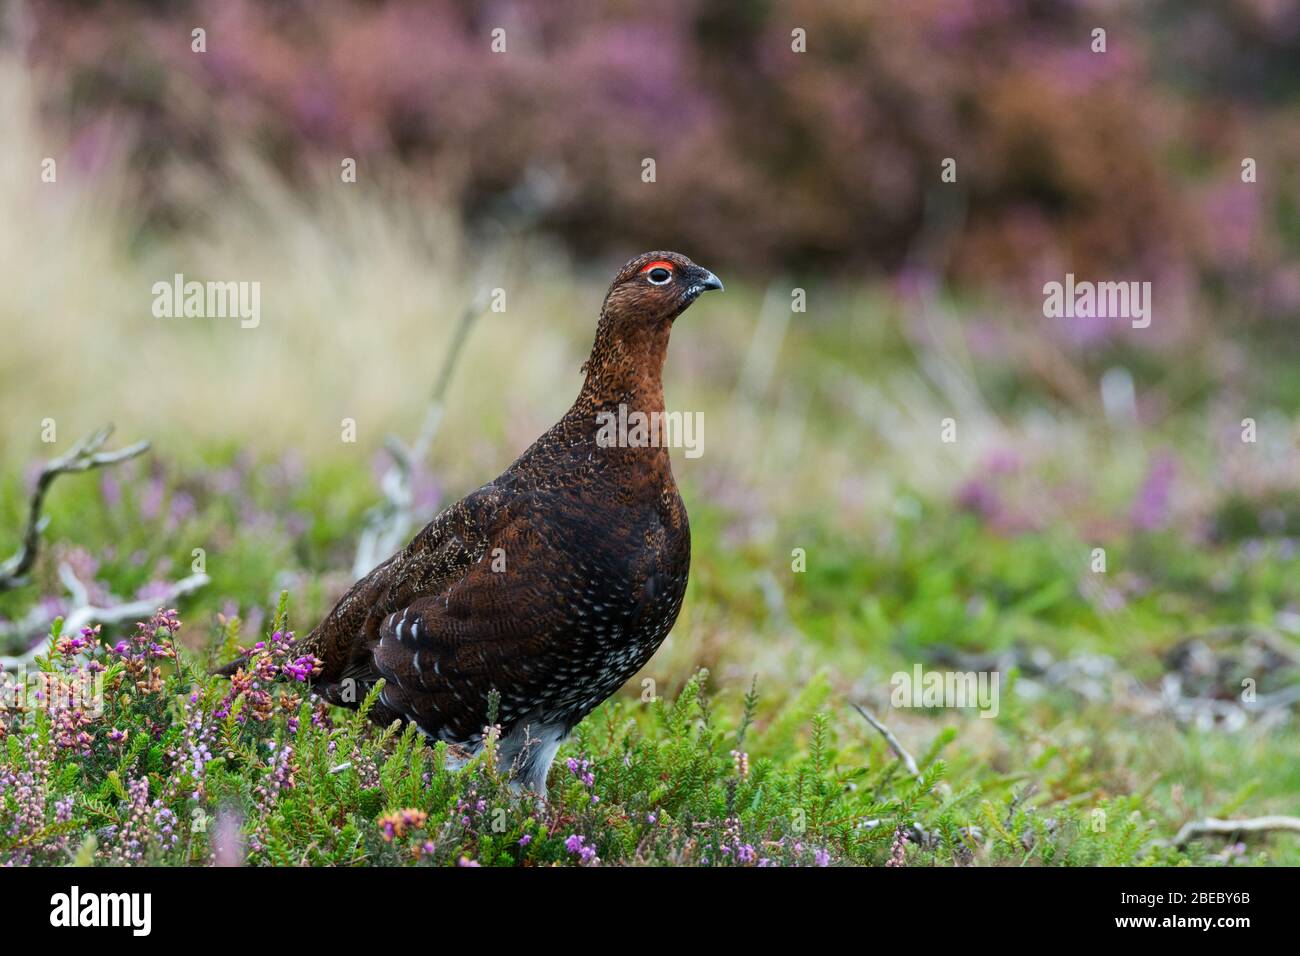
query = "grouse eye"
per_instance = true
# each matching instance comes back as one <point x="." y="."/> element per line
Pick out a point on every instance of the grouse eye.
<point x="659" y="276"/>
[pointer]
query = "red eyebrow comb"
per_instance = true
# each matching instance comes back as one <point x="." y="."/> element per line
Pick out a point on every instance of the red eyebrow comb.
<point x="657" y="264"/>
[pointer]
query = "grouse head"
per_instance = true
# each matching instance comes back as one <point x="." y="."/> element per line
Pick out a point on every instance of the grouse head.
<point x="656" y="287"/>
<point x="632" y="336"/>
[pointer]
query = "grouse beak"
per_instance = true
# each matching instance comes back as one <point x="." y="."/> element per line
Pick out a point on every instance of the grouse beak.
<point x="705" y="281"/>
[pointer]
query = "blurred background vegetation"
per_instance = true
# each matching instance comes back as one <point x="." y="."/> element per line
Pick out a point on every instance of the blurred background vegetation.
<point x="816" y="170"/>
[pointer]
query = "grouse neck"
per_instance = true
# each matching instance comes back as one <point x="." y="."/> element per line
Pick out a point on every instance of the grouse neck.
<point x="625" y="369"/>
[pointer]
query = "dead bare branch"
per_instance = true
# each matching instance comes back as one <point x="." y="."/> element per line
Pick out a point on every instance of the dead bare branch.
<point x="908" y="762"/>
<point x="389" y="523"/>
<point x="1198" y="828"/>
<point x="84" y="456"/>
<point x="87" y="614"/>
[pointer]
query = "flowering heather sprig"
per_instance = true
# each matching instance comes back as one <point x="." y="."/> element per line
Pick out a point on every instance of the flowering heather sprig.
<point x="278" y="777"/>
<point x="164" y="826"/>
<point x="25" y="791"/>
<point x="320" y="715"/>
<point x="302" y="668"/>
<point x="258" y="701"/>
<point x="63" y="808"/>
<point x="193" y="752"/>
<point x="470" y="803"/>
<point x="582" y="770"/>
<point x="69" y="731"/>
<point x="364" y="766"/>
<point x="268" y="660"/>
<point x="70" y="647"/>
<point x="741" y="760"/>
<point x="394" y="826"/>
<point x="130" y="840"/>
<point x="898" y="849"/>
<point x="577" y="845"/>
<point x="735" y="849"/>
<point x="153" y="641"/>
<point x="275" y="656"/>
<point x="71" y="690"/>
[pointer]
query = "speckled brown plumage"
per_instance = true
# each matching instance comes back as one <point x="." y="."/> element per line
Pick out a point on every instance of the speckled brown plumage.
<point x="595" y="546"/>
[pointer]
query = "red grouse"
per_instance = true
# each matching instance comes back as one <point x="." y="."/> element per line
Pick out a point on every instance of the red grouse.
<point x="551" y="585"/>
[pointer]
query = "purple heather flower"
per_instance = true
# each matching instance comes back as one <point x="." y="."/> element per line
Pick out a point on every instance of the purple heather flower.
<point x="577" y="844"/>
<point x="581" y="770"/>
<point x="395" y="825"/>
<point x="302" y="668"/>
<point x="63" y="809"/>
